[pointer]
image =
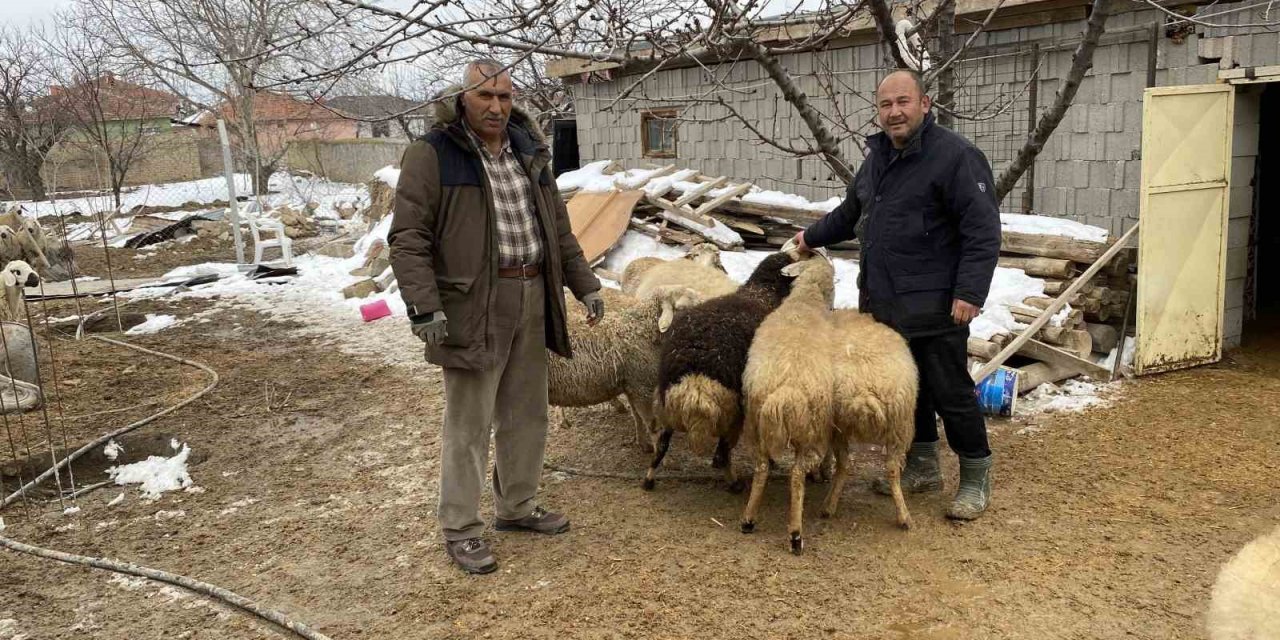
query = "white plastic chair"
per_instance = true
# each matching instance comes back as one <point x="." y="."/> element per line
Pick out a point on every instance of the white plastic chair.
<point x="258" y="226"/>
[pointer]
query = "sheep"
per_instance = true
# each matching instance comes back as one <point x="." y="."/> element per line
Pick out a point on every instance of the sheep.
<point x="17" y="275"/>
<point x="705" y="255"/>
<point x="1246" y="596"/>
<point x="707" y="280"/>
<point x="876" y="384"/>
<point x="619" y="356"/>
<point x="701" y="363"/>
<point x="788" y="386"/>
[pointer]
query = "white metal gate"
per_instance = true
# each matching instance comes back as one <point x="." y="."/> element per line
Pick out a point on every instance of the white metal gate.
<point x="1182" y="251"/>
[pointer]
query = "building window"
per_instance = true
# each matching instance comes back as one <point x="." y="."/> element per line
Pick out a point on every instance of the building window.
<point x="658" y="134"/>
<point x="382" y="129"/>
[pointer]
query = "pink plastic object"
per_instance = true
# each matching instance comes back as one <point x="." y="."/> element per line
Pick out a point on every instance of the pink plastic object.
<point x="374" y="310"/>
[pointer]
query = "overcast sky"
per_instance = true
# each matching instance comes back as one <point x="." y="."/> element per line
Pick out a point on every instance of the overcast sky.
<point x="22" y="12"/>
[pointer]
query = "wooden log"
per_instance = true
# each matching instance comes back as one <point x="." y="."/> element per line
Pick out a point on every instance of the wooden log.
<point x="1038" y="373"/>
<point x="1105" y="337"/>
<point x="1049" y="246"/>
<point x="1058" y="303"/>
<point x="983" y="349"/>
<point x="1040" y="267"/>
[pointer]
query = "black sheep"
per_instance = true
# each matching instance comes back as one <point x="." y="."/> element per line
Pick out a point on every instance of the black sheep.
<point x="701" y="363"/>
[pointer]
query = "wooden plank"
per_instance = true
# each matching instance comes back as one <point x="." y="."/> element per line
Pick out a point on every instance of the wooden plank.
<point x="698" y="191"/>
<point x="1058" y="303"/>
<point x="711" y="205"/>
<point x="599" y="219"/>
<point x="1059" y="358"/>
<point x="661" y="171"/>
<point x="679" y="215"/>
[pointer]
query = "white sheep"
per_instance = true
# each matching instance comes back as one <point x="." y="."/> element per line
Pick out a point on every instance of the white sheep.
<point x="788" y="387"/>
<point x="1246" y="596"/>
<point x="618" y="356"/>
<point x="649" y="273"/>
<point x="17" y="276"/>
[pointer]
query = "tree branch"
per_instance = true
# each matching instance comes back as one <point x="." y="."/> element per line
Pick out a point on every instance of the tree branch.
<point x="884" y="24"/>
<point x="1081" y="61"/>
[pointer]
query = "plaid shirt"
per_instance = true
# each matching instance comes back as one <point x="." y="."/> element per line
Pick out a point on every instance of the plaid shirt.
<point x="518" y="240"/>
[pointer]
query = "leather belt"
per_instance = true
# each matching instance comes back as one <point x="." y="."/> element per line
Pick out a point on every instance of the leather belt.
<point x="522" y="273"/>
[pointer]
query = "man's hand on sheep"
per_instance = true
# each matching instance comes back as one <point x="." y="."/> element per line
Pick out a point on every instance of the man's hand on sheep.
<point x="797" y="243"/>
<point x="595" y="308"/>
<point x="964" y="312"/>
<point x="430" y="328"/>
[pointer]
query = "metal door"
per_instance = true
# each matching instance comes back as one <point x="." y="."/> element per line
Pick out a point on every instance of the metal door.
<point x="1182" y="251"/>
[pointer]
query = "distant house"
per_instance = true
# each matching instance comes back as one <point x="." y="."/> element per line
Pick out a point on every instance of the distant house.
<point x="125" y="106"/>
<point x="382" y="116"/>
<point x="281" y="118"/>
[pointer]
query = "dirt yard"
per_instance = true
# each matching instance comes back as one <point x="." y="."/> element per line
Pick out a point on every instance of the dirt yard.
<point x="318" y="472"/>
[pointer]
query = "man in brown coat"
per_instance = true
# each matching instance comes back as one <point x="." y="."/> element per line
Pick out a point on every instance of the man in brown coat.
<point x="482" y="248"/>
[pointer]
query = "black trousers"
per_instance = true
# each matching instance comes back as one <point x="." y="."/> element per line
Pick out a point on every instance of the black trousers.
<point x="947" y="390"/>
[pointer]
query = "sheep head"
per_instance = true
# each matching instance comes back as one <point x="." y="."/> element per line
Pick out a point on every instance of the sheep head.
<point x="673" y="298"/>
<point x="706" y="254"/>
<point x="815" y="273"/>
<point x="20" y="274"/>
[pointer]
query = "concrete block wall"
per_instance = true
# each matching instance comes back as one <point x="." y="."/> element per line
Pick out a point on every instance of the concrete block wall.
<point x="1244" y="155"/>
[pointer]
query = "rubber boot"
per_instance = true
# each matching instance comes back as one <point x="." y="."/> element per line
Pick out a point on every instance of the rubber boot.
<point x="974" y="493"/>
<point x="921" y="473"/>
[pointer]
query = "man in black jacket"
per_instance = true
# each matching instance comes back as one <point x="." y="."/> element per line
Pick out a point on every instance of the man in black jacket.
<point x="924" y="209"/>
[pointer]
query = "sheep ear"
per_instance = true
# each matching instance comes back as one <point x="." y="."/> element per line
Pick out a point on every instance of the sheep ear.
<point x="668" y="314"/>
<point x="10" y="280"/>
<point x="793" y="270"/>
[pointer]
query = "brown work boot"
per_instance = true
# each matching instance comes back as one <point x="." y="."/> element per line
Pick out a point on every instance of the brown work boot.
<point x="471" y="555"/>
<point x="540" y="521"/>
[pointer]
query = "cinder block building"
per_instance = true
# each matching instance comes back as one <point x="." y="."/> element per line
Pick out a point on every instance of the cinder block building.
<point x="1091" y="169"/>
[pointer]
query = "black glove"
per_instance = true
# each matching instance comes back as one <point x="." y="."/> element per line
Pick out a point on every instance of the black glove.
<point x="430" y="328"/>
<point x="595" y="307"/>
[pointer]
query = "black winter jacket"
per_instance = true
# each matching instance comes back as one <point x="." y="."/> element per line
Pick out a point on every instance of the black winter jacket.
<point x="929" y="226"/>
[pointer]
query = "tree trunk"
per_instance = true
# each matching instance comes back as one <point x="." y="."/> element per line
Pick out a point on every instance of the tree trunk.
<point x="947" y="79"/>
<point x="27" y="165"/>
<point x="888" y="33"/>
<point x="1081" y="61"/>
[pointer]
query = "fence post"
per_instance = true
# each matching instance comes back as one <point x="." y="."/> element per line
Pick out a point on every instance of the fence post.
<point x="233" y="205"/>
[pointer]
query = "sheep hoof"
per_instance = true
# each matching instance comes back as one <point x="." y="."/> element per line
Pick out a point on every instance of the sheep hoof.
<point x="797" y="544"/>
<point x="738" y="486"/>
<point x="647" y="484"/>
<point x="748" y="526"/>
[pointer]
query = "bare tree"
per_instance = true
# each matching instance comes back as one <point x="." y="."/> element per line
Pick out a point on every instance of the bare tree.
<point x="112" y="117"/>
<point x="219" y="54"/>
<point x="29" y="124"/>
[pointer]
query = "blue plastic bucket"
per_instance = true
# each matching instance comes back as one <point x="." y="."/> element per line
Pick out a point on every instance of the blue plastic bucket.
<point x="998" y="392"/>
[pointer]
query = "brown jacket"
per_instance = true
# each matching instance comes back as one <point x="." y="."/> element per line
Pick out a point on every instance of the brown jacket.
<point x="443" y="246"/>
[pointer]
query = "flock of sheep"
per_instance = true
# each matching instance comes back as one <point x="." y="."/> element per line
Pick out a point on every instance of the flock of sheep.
<point x="769" y="360"/>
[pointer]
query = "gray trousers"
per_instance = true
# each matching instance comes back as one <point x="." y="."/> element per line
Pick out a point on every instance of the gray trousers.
<point x="511" y="400"/>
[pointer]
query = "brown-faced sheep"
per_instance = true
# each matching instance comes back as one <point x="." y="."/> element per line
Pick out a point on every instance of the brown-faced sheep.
<point x="618" y="356"/>
<point x="1246" y="596"/>
<point x="668" y="271"/>
<point x="788" y="388"/>
<point x="875" y="400"/>
<point x="701" y="364"/>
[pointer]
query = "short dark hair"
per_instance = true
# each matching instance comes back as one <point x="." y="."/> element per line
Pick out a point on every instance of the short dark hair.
<point x="915" y="75"/>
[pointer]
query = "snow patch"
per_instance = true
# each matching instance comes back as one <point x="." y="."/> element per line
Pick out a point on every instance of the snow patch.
<point x="156" y="474"/>
<point x="1045" y="225"/>
<point x="154" y="324"/>
<point x="389" y="175"/>
<point x="112" y="450"/>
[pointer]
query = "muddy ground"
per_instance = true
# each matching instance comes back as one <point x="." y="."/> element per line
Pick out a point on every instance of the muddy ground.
<point x="318" y="472"/>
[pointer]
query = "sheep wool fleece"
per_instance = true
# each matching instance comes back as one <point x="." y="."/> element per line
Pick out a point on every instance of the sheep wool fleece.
<point x="511" y="396"/>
